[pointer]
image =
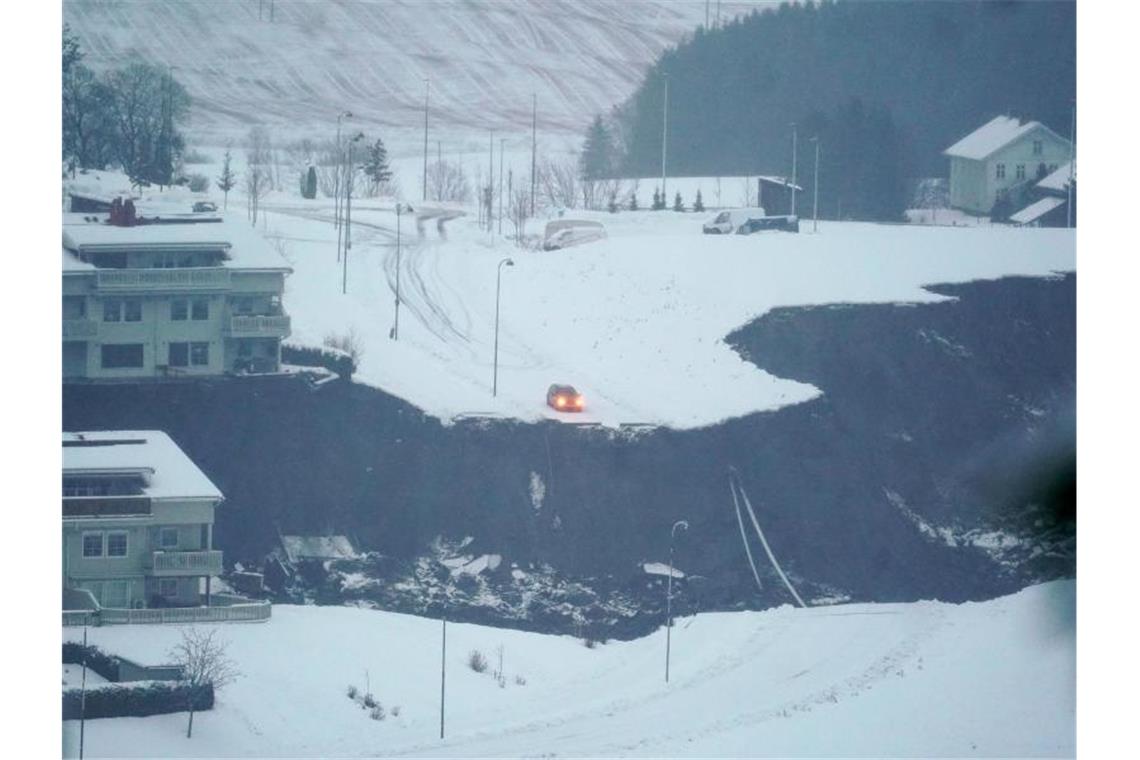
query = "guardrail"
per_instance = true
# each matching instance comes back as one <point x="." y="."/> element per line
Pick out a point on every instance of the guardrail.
<point x="236" y="613"/>
<point x="186" y="563"/>
<point x="105" y="506"/>
<point x="247" y="326"/>
<point x="80" y="328"/>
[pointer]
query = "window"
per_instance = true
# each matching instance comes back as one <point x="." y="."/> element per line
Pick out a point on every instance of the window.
<point x="168" y="587"/>
<point x="199" y="354"/>
<point x="117" y="543"/>
<point x="111" y="309"/>
<point x="132" y="310"/>
<point x="178" y="310"/>
<point x="1037" y="148"/>
<point x="92" y="544"/>
<point x="121" y="355"/>
<point x="201" y="309"/>
<point x="179" y="355"/>
<point x="74" y="307"/>
<point x="1021" y="171"/>
<point x="1001" y="171"/>
<point x="245" y="349"/>
<point x="243" y="305"/>
<point x="168" y="538"/>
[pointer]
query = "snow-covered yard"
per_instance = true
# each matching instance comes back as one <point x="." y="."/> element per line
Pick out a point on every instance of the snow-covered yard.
<point x="635" y="322"/>
<point x="891" y="680"/>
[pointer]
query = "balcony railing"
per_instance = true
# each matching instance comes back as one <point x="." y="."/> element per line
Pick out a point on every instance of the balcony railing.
<point x="106" y="506"/>
<point x="74" y="329"/>
<point x="205" y="278"/>
<point x="187" y="563"/>
<point x="245" y="326"/>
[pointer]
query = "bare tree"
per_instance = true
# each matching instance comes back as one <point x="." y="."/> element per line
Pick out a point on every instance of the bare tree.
<point x="518" y="210"/>
<point x="202" y="657"/>
<point x="558" y="183"/>
<point x="258" y="172"/>
<point x="256" y="186"/>
<point x="226" y="180"/>
<point x="448" y="182"/>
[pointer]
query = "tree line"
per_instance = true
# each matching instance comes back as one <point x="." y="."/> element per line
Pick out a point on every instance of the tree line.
<point x="884" y="86"/>
<point x="131" y="117"/>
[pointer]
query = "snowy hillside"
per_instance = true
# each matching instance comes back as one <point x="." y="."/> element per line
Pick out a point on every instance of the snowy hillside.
<point x="315" y="60"/>
<point x="891" y="680"/>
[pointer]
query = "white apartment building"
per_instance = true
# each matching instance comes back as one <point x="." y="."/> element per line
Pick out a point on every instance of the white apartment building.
<point x="138" y="521"/>
<point x="1000" y="155"/>
<point x="169" y="299"/>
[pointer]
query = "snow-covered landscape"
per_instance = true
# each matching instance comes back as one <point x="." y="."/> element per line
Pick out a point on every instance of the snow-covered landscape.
<point x="927" y="679"/>
<point x="892" y="379"/>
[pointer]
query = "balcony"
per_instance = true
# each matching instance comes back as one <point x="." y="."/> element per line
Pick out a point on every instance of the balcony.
<point x="162" y="280"/>
<point x="245" y="326"/>
<point x="80" y="329"/>
<point x="166" y="564"/>
<point x="106" y="506"/>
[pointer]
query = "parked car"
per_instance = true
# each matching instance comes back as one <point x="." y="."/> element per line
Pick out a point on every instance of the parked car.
<point x="563" y="233"/>
<point x="564" y="398"/>
<point x="205" y="206"/>
<point x="782" y="223"/>
<point x="729" y="221"/>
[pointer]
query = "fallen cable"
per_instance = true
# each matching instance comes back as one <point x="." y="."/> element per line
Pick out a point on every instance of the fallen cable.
<point x="764" y="541"/>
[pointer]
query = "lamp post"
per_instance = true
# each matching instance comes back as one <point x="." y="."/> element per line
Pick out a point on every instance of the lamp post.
<point x="498" y="287"/>
<point x="684" y="525"/>
<point x="427" y="94"/>
<point x="348" y="211"/>
<point x="337" y="180"/>
<point x="83" y="689"/>
<point x="400" y="208"/>
<point x="664" y="134"/>
<point x="793" y="168"/>
<point x="815" y="190"/>
<point x="502" y="140"/>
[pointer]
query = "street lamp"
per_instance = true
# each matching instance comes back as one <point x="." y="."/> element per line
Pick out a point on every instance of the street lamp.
<point x="498" y="286"/>
<point x="427" y="95"/>
<point x="664" y="133"/>
<point x="793" y="168"/>
<point x="336" y="180"/>
<point x="815" y="190"/>
<point x="684" y="525"/>
<point x="348" y="211"/>
<point x="400" y="208"/>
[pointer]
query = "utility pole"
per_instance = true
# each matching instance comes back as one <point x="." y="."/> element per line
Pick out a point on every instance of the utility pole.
<point x="83" y="689"/>
<point x="815" y="189"/>
<point x="396" y="326"/>
<point x="706" y="15"/>
<point x="272" y="7"/>
<point x="337" y="180"/>
<point x="427" y="94"/>
<point x="533" y="149"/>
<point x="793" y="168"/>
<point x="501" y="141"/>
<point x="498" y="288"/>
<point x="1072" y="167"/>
<point x="664" y="133"/>
<point x="348" y="212"/>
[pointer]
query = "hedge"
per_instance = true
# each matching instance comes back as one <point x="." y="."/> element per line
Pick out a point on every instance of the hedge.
<point x="99" y="661"/>
<point x="331" y="359"/>
<point x="137" y="700"/>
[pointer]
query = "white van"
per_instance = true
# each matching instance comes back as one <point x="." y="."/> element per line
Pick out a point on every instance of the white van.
<point x="730" y="220"/>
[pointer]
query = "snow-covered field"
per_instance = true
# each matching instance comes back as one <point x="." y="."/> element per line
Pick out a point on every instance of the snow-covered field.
<point x="635" y="322"/>
<point x="891" y="680"/>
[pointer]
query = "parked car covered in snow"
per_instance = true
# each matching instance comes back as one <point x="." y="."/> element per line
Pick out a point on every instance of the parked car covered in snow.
<point x="763" y="223"/>
<point x="562" y="233"/>
<point x="205" y="207"/>
<point x="729" y="220"/>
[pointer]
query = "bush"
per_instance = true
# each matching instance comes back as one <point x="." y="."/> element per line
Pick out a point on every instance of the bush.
<point x="476" y="661"/>
<point x="395" y="711"/>
<point x="138" y="701"/>
<point x="315" y="356"/>
<point x="520" y="680"/>
<point x="370" y="701"/>
<point x="352" y="692"/>
<point x="349" y="343"/>
<point x="199" y="183"/>
<point x="99" y="661"/>
<point x="377" y="713"/>
<point x="590" y="643"/>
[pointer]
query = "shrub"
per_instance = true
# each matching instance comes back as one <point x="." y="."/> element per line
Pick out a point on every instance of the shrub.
<point x="590" y="643"/>
<point x="377" y="713"/>
<point x="476" y="661"/>
<point x="395" y="711"/>
<point x="349" y="343"/>
<point x="316" y="356"/>
<point x="138" y="700"/>
<point x="198" y="183"/>
<point x="99" y="661"/>
<point x="370" y="701"/>
<point x="520" y="680"/>
<point x="352" y="692"/>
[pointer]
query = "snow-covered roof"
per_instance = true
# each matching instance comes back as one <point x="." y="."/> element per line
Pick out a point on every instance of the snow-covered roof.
<point x="1059" y="179"/>
<point x="317" y="547"/>
<point x="1035" y="211"/>
<point x="992" y="136"/>
<point x="245" y="247"/>
<point x="170" y="473"/>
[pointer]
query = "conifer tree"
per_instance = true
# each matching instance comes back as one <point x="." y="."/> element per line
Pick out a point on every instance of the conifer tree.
<point x="376" y="168"/>
<point x="226" y="180"/>
<point x="596" y="160"/>
<point x="309" y="183"/>
<point x="698" y="204"/>
<point x="633" y="200"/>
<point x="678" y="204"/>
<point x="658" y="200"/>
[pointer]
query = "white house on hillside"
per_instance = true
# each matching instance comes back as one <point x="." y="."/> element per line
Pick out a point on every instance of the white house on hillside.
<point x="168" y="299"/>
<point x="1002" y="154"/>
